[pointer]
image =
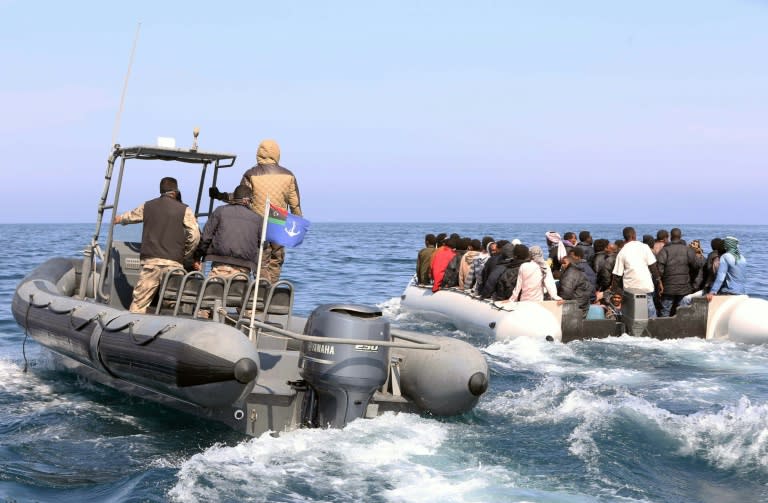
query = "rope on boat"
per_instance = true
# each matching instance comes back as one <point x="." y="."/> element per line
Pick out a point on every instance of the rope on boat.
<point x="71" y="313"/>
<point x="86" y="322"/>
<point x="30" y="305"/>
<point x="26" y="332"/>
<point x="97" y="317"/>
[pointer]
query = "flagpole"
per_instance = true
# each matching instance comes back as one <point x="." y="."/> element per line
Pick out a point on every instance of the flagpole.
<point x="258" y="268"/>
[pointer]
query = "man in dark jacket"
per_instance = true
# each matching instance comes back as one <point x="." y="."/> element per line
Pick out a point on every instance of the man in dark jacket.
<point x="170" y="234"/>
<point x="678" y="267"/>
<point x="494" y="268"/>
<point x="577" y="259"/>
<point x="585" y="243"/>
<point x="712" y="264"/>
<point x="574" y="284"/>
<point x="489" y="266"/>
<point x="507" y="281"/>
<point x="232" y="236"/>
<point x="599" y="260"/>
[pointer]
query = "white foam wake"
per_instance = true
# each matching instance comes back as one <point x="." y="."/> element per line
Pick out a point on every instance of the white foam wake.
<point x="399" y="457"/>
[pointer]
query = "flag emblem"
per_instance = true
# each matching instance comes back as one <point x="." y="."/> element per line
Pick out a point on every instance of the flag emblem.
<point x="285" y="228"/>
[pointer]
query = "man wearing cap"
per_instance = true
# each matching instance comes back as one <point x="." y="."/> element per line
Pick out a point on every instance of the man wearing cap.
<point x="169" y="235"/>
<point x="267" y="179"/>
<point x="231" y="237"/>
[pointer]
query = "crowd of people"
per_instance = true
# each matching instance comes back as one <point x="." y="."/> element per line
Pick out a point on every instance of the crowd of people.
<point x="593" y="272"/>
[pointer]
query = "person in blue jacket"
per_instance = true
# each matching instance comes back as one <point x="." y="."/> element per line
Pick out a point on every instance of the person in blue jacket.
<point x="732" y="274"/>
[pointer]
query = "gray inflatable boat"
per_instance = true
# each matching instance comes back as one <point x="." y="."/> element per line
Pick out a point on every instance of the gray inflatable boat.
<point x="256" y="370"/>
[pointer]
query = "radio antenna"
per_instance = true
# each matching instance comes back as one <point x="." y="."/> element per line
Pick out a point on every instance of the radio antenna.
<point x="116" y="129"/>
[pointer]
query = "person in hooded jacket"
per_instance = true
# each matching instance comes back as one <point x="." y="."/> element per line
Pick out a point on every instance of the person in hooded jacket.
<point x="731" y="276"/>
<point x="473" y="250"/>
<point x="474" y="280"/>
<point x="267" y="179"/>
<point x="678" y="266"/>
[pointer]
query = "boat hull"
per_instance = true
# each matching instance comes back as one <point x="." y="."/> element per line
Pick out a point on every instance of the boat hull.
<point x="214" y="370"/>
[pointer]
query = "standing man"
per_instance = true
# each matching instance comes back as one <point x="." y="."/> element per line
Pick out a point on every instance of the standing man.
<point x="636" y="266"/>
<point x="677" y="266"/>
<point x="586" y="244"/>
<point x="232" y="236"/>
<point x="267" y="179"/>
<point x="169" y="235"/>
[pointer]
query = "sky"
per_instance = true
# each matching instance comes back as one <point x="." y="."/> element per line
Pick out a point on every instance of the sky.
<point x="401" y="111"/>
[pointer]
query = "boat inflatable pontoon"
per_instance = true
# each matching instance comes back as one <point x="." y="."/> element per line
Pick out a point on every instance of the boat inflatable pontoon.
<point x="256" y="370"/>
<point x="738" y="318"/>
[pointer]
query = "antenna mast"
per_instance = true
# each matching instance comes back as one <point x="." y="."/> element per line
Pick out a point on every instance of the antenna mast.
<point x="116" y="129"/>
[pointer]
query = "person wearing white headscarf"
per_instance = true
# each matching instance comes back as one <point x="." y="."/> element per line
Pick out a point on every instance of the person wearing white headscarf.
<point x="556" y="248"/>
<point x="534" y="278"/>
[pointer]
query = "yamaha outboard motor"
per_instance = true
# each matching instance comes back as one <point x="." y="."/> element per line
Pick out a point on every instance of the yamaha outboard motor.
<point x="343" y="377"/>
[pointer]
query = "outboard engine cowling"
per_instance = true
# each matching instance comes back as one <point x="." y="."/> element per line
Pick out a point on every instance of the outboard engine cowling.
<point x="343" y="376"/>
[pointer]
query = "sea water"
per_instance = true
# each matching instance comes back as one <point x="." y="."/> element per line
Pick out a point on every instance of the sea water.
<point x="617" y="419"/>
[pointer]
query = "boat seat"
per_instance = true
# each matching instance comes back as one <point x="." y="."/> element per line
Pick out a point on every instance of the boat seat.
<point x="189" y="290"/>
<point x="260" y="296"/>
<point x="211" y="293"/>
<point x="235" y="290"/>
<point x="273" y="300"/>
<point x="169" y="289"/>
<point x="279" y="302"/>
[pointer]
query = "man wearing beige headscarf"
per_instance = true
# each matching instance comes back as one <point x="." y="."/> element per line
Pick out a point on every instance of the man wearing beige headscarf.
<point x="268" y="179"/>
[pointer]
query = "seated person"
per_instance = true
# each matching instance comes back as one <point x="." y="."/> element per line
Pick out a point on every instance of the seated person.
<point x="613" y="307"/>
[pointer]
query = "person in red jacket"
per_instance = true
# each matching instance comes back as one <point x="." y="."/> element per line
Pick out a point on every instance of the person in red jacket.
<point x="440" y="261"/>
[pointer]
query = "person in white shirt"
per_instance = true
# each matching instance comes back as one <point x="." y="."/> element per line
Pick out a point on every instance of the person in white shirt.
<point x="636" y="265"/>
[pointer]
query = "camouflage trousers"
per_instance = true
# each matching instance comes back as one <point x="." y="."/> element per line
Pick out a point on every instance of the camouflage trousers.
<point x="151" y="275"/>
<point x="272" y="262"/>
<point x="221" y="270"/>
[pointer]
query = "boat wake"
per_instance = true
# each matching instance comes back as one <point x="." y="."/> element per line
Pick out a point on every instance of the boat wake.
<point x="404" y="453"/>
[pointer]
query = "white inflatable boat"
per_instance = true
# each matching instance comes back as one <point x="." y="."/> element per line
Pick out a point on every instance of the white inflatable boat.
<point x="737" y="318"/>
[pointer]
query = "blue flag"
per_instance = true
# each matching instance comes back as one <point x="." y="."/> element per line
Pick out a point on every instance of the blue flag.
<point x="285" y="228"/>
